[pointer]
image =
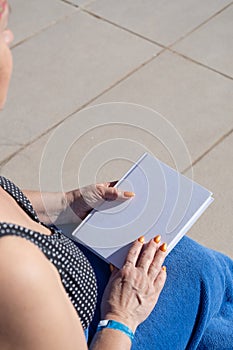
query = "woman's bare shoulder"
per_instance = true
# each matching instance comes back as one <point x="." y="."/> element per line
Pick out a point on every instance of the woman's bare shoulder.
<point x="33" y="302"/>
<point x="20" y="259"/>
<point x="23" y="269"/>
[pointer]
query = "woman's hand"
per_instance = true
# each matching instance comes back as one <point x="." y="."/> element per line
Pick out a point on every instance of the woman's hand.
<point x="133" y="291"/>
<point x="73" y="206"/>
<point x="82" y="201"/>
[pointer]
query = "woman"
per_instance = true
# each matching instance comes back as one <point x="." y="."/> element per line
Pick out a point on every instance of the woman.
<point x="48" y="295"/>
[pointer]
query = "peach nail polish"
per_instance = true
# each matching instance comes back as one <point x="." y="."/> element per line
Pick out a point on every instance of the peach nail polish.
<point x="164" y="268"/>
<point x="141" y="239"/>
<point x="163" y="247"/>
<point x="129" y="194"/>
<point x="157" y="239"/>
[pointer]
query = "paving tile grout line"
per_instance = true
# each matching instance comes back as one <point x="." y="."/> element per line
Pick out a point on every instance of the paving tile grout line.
<point x="122" y="28"/>
<point x="200" y="63"/>
<point x="76" y="5"/>
<point x="69" y="3"/>
<point x="169" y="47"/>
<point x="51" y="24"/>
<point x="202" y="24"/>
<point x="215" y="144"/>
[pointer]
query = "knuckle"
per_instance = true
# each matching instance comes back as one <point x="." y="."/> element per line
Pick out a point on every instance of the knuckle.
<point x="146" y="256"/>
<point x="155" y="267"/>
<point x="113" y="192"/>
<point x="126" y="272"/>
<point x="133" y="252"/>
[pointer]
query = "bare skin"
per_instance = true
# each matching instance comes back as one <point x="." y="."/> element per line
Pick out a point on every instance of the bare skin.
<point x="33" y="302"/>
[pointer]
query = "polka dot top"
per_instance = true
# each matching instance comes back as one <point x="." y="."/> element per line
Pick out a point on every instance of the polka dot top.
<point x="77" y="275"/>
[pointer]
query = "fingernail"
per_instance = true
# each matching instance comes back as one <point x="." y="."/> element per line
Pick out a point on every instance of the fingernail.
<point x="163" y="247"/>
<point x="129" y="194"/>
<point x="164" y="268"/>
<point x="157" y="239"/>
<point x="141" y="239"/>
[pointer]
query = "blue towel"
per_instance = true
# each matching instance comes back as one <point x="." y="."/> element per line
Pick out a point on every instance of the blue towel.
<point x="195" y="308"/>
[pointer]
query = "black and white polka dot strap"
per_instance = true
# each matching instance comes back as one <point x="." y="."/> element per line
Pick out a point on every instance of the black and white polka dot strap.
<point x="18" y="195"/>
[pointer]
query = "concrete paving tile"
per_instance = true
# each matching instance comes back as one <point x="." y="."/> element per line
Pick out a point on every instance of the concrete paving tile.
<point x="211" y="44"/>
<point x="162" y="21"/>
<point x="105" y="150"/>
<point x="214" y="171"/>
<point x="7" y="149"/>
<point x="23" y="168"/>
<point x="30" y="17"/>
<point x="197" y="101"/>
<point x="64" y="67"/>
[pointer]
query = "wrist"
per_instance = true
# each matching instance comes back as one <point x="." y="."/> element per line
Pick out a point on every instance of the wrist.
<point x="124" y="319"/>
<point x="71" y="212"/>
<point x="116" y="326"/>
<point x="63" y="212"/>
<point x="57" y="207"/>
<point x="69" y="215"/>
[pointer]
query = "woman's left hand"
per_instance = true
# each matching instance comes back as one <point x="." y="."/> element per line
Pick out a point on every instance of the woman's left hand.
<point x="71" y="207"/>
<point x="81" y="201"/>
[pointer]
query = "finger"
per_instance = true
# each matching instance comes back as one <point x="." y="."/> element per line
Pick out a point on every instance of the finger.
<point x="157" y="262"/>
<point x="134" y="252"/>
<point x="160" y="281"/>
<point x="147" y="256"/>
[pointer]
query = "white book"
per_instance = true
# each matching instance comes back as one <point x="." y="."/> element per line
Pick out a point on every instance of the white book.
<point x="166" y="203"/>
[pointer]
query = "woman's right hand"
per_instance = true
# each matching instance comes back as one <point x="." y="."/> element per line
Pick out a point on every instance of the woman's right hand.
<point x="133" y="291"/>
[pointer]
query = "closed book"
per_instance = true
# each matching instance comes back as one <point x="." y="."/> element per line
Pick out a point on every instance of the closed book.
<point x="166" y="203"/>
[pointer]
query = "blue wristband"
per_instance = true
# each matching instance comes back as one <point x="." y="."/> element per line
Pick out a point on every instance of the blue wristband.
<point x="115" y="325"/>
